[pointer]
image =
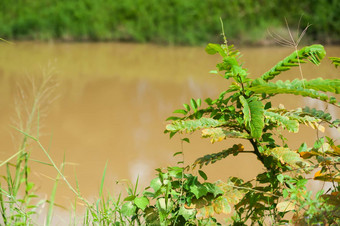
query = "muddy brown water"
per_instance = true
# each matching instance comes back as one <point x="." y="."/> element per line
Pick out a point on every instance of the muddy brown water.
<point x="112" y="103"/>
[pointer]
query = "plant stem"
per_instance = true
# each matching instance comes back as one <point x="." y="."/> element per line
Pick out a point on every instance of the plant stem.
<point x="257" y="152"/>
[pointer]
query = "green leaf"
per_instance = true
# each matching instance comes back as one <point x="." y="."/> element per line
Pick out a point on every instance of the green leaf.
<point x="164" y="205"/>
<point x="245" y="110"/>
<point x="175" y="171"/>
<point x="186" y="106"/>
<point x="151" y="216"/>
<point x="156" y="184"/>
<point x="199" y="190"/>
<point x="30" y="185"/>
<point x="181" y="111"/>
<point x="306" y="116"/>
<point x="280" y="178"/>
<point x="317" y="113"/>
<point x="186" y="140"/>
<point x="215" y="48"/>
<point x="303" y="147"/>
<point x="299" y="87"/>
<point x="203" y="175"/>
<point x="256" y="118"/>
<point x="199" y="101"/>
<point x="193" y="125"/>
<point x="335" y="61"/>
<point x="177" y="153"/>
<point x="208" y="101"/>
<point x="128" y="209"/>
<point x="130" y="198"/>
<point x="212" y="158"/>
<point x="141" y="202"/>
<point x="314" y="53"/>
<point x="193" y="104"/>
<point x="325" y="85"/>
<point x="213" y="189"/>
<point x="186" y="213"/>
<point x="253" y="115"/>
<point x="284" y="121"/>
<point x="172" y="118"/>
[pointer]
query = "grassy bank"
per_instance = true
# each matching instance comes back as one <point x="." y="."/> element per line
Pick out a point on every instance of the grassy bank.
<point x="165" y="21"/>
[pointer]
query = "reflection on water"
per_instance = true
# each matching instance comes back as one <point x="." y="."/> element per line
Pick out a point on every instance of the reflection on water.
<point x="114" y="99"/>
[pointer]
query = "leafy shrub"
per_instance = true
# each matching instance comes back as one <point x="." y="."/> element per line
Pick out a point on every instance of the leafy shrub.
<point x="245" y="111"/>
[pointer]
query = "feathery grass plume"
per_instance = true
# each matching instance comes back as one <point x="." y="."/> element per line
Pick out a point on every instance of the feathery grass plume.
<point x="17" y="202"/>
<point x="291" y="41"/>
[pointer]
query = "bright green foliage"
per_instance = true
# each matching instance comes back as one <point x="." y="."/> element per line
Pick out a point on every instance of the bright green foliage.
<point x="299" y="87"/>
<point x="282" y="120"/>
<point x="245" y="111"/>
<point x="255" y="117"/>
<point x="335" y="61"/>
<point x="314" y="54"/>
<point x="193" y="125"/>
<point x="177" y="198"/>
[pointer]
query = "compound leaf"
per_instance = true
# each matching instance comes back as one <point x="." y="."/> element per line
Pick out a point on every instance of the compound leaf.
<point x="313" y="53"/>
<point x="287" y="156"/>
<point x="193" y="125"/>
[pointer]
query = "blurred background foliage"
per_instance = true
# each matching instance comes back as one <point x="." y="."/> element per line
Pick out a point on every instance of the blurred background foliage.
<point x="180" y="22"/>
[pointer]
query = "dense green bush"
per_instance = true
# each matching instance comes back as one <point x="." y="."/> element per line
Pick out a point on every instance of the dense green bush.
<point x="164" y="21"/>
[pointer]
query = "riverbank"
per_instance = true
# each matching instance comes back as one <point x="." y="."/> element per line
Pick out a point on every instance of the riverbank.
<point x="168" y="22"/>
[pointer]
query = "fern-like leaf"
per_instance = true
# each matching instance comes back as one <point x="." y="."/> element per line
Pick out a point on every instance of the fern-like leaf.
<point x="325" y="85"/>
<point x="193" y="125"/>
<point x="219" y="134"/>
<point x="317" y="114"/>
<point x="300" y="87"/>
<point x="335" y="61"/>
<point x="282" y="120"/>
<point x="313" y="53"/>
<point x="287" y="156"/>
<point x="306" y="116"/>
<point x="212" y="158"/>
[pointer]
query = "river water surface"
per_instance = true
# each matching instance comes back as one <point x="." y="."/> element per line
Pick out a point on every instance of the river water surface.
<point x="112" y="102"/>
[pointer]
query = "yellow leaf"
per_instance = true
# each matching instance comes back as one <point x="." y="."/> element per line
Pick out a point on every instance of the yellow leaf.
<point x="335" y="193"/>
<point x="317" y="174"/>
<point x="321" y="128"/>
<point x="305" y="154"/>
<point x="326" y="177"/>
<point x="336" y="149"/>
<point x="285" y="206"/>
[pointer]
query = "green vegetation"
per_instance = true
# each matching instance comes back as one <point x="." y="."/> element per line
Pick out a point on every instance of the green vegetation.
<point x="178" y="197"/>
<point x="245" y="111"/>
<point x="165" y="21"/>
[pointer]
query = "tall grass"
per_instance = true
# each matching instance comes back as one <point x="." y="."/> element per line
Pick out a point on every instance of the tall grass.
<point x="164" y="21"/>
<point x="18" y="202"/>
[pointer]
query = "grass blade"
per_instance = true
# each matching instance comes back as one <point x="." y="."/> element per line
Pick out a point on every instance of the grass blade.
<point x="102" y="182"/>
